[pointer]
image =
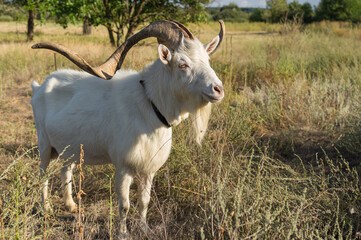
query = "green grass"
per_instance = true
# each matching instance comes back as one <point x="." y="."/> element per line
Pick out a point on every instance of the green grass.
<point x="279" y="161"/>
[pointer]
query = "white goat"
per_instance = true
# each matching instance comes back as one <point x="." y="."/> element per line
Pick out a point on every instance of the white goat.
<point x="125" y="121"/>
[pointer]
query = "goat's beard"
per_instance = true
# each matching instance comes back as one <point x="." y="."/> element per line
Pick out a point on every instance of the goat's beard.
<point x="200" y="118"/>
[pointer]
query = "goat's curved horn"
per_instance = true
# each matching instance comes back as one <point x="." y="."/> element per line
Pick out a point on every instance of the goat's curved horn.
<point x="185" y="30"/>
<point x="222" y="31"/>
<point x="166" y="31"/>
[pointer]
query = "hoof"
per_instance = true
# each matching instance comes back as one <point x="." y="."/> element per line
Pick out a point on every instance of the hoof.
<point x="122" y="230"/>
<point x="145" y="228"/>
<point x="123" y="236"/>
<point x="47" y="208"/>
<point x="73" y="208"/>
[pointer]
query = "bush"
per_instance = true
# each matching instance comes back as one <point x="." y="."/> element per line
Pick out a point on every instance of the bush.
<point x="5" y="18"/>
<point x="257" y="16"/>
<point x="230" y="13"/>
<point x="16" y="13"/>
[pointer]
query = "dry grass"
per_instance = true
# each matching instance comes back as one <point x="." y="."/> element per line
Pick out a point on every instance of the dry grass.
<point x="268" y="167"/>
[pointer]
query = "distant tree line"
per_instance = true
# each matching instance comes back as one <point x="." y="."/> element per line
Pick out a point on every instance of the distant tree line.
<point x="119" y="17"/>
<point x="279" y="10"/>
<point x="122" y="17"/>
<point x="229" y="13"/>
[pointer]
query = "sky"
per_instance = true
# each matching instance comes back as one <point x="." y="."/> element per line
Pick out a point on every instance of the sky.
<point x="255" y="3"/>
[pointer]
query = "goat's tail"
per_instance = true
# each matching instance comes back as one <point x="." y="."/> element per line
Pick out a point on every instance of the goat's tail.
<point x="34" y="85"/>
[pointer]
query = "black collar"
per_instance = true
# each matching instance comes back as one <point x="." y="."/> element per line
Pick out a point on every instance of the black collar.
<point x="156" y="110"/>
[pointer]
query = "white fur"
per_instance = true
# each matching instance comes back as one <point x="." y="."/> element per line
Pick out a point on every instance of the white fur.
<point x="115" y="122"/>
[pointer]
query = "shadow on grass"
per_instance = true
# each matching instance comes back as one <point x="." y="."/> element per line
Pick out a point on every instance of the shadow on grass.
<point x="310" y="145"/>
<point x="350" y="139"/>
<point x="17" y="150"/>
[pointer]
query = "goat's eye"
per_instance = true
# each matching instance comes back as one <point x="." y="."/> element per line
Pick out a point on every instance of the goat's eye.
<point x="183" y="65"/>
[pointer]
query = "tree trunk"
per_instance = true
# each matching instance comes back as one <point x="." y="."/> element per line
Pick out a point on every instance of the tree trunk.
<point x="130" y="32"/>
<point x="111" y="37"/>
<point x="119" y="35"/>
<point x="30" y="33"/>
<point x="87" y="28"/>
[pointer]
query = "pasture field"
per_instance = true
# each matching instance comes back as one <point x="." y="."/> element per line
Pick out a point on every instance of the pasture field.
<point x="280" y="160"/>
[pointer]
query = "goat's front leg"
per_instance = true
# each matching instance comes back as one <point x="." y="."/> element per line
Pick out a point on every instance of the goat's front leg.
<point x="144" y="190"/>
<point x="66" y="173"/>
<point x="45" y="160"/>
<point x="123" y="180"/>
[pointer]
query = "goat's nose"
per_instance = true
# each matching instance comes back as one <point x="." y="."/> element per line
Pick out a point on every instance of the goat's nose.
<point x="218" y="89"/>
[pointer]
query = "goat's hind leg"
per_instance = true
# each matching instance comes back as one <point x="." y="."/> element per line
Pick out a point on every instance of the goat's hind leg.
<point x="66" y="173"/>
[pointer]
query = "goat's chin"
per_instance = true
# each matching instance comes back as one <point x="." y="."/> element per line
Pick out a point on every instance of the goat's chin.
<point x="210" y="98"/>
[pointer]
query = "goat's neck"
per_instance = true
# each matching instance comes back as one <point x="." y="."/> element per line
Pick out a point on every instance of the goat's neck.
<point x="161" y="89"/>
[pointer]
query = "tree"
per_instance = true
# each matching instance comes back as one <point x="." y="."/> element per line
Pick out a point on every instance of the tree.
<point x="304" y="12"/>
<point x="231" y="13"/>
<point x="123" y="17"/>
<point x="277" y="10"/>
<point x="87" y="28"/>
<point x="339" y="10"/>
<point x="294" y="10"/>
<point x="33" y="6"/>
<point x="353" y="9"/>
<point x="333" y="10"/>
<point x="257" y="16"/>
<point x="11" y="10"/>
<point x="308" y="13"/>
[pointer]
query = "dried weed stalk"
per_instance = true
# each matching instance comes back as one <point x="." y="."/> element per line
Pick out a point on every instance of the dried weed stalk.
<point x="79" y="225"/>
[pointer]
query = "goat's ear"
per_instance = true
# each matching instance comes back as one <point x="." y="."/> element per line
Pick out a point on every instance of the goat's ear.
<point x="212" y="45"/>
<point x="164" y="54"/>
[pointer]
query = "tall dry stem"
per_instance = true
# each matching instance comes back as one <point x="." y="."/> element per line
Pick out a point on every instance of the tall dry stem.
<point x="2" y="221"/>
<point x="80" y="227"/>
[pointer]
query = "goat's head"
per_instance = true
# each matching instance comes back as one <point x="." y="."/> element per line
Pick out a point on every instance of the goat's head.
<point x="190" y="68"/>
<point x="183" y="54"/>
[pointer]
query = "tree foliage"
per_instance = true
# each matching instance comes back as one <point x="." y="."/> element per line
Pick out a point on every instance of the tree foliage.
<point x="12" y="11"/>
<point x="257" y="16"/>
<point x="230" y="13"/>
<point x="303" y="12"/>
<point x="123" y="17"/>
<point x="331" y="10"/>
<point x="277" y="10"/>
<point x="308" y="13"/>
<point x="294" y="10"/>
<point x="353" y="9"/>
<point x="339" y="10"/>
<point x="41" y="7"/>
<point x="33" y="6"/>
